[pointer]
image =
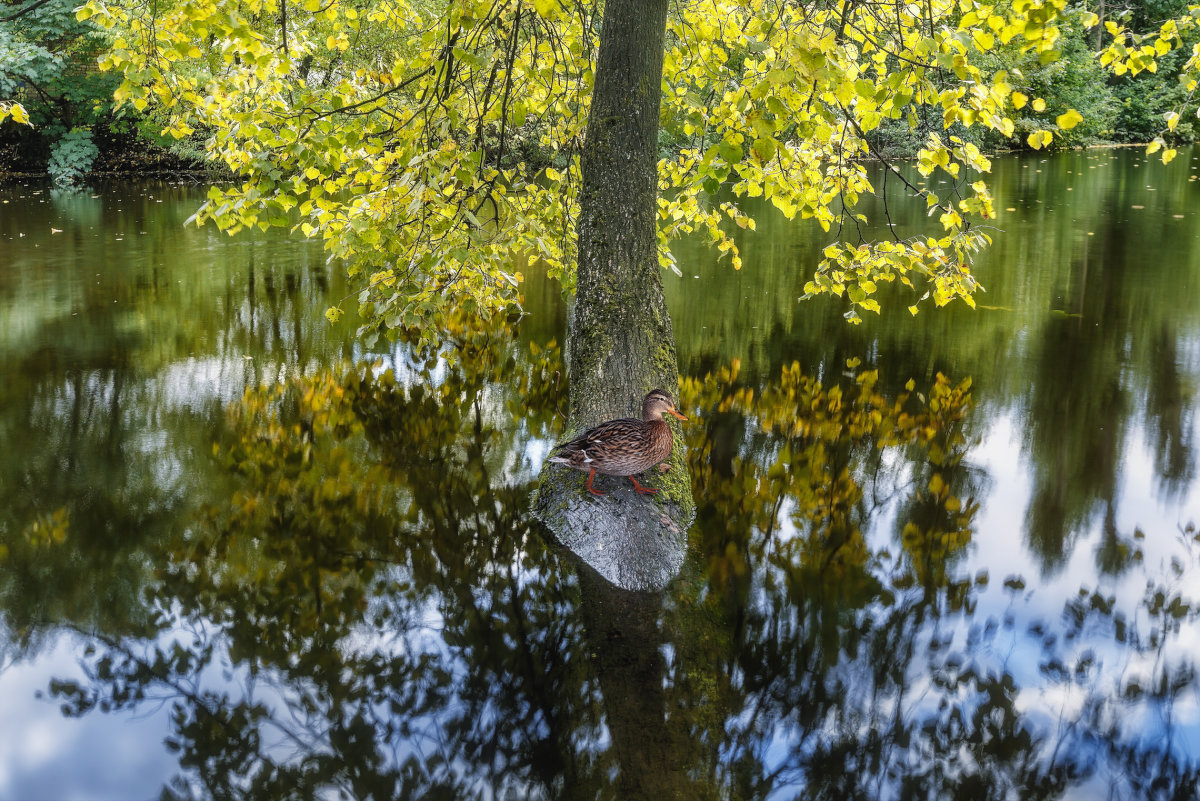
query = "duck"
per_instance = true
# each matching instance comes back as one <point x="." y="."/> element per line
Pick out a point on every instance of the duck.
<point x="624" y="446"/>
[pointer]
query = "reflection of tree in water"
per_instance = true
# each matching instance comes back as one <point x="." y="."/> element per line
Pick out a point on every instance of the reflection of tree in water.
<point x="1170" y="408"/>
<point x="97" y="417"/>
<point x="1077" y="425"/>
<point x="392" y="625"/>
<point x="1093" y="368"/>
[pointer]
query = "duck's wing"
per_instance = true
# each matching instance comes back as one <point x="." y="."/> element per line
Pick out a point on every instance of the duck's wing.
<point x="614" y="433"/>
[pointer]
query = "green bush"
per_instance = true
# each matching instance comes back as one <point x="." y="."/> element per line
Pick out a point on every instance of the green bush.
<point x="72" y="156"/>
<point x="48" y="64"/>
<point x="1074" y="80"/>
<point x="1144" y="99"/>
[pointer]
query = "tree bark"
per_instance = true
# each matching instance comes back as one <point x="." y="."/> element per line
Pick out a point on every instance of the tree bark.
<point x="620" y="344"/>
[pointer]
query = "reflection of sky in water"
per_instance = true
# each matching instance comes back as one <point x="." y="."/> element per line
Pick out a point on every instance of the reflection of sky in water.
<point x="1043" y="598"/>
<point x="47" y="757"/>
<point x="1051" y="708"/>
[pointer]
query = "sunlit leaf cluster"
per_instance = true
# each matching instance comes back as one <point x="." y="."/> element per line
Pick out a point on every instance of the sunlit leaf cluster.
<point x="395" y="131"/>
<point x="428" y="143"/>
<point x="10" y="109"/>
<point x="1130" y="52"/>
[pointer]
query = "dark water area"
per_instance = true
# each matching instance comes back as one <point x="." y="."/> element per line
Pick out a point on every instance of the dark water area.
<point x="945" y="556"/>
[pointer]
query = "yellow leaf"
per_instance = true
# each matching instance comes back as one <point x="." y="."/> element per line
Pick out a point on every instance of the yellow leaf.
<point x="1019" y="100"/>
<point x="1069" y="120"/>
<point x="983" y="40"/>
<point x="1039" y="105"/>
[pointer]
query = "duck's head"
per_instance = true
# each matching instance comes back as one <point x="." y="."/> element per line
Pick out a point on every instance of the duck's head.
<point x="657" y="403"/>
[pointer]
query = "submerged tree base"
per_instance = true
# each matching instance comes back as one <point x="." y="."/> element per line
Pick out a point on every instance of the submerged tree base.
<point x="637" y="542"/>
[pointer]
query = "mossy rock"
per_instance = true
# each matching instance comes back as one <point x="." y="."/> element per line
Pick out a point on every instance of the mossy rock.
<point x="637" y="542"/>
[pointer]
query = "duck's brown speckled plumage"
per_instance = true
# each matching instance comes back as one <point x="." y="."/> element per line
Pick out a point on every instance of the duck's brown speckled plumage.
<point x="623" y="447"/>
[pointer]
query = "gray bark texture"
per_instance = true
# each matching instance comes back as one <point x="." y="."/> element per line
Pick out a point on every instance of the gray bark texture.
<point x="620" y="343"/>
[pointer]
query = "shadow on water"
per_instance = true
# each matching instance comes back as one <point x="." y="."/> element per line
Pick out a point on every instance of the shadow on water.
<point x="366" y="606"/>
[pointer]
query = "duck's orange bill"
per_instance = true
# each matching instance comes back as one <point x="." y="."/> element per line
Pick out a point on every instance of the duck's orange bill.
<point x="677" y="414"/>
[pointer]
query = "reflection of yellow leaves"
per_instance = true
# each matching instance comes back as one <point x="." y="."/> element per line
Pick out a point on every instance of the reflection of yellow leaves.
<point x="48" y="529"/>
<point x="329" y="466"/>
<point x="810" y="430"/>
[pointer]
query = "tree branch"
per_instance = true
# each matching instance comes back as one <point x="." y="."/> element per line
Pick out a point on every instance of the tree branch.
<point x="28" y="9"/>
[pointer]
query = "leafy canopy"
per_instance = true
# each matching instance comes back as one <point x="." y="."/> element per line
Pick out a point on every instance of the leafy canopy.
<point x="428" y="143"/>
<point x="43" y="50"/>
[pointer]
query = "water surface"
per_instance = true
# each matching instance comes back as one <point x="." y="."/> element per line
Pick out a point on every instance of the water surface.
<point x="943" y="556"/>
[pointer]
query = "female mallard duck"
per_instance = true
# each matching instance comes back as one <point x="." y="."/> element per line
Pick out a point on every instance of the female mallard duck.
<point x="623" y="447"/>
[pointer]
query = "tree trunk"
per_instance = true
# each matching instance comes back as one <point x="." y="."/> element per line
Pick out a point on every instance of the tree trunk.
<point x="620" y="344"/>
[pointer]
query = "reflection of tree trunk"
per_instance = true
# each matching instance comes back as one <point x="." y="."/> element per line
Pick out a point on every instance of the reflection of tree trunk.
<point x="621" y="342"/>
<point x="298" y="317"/>
<point x="273" y="305"/>
<point x="252" y="300"/>
<point x="75" y="379"/>
<point x="114" y="413"/>
<point x="648" y="755"/>
<point x="1083" y="280"/>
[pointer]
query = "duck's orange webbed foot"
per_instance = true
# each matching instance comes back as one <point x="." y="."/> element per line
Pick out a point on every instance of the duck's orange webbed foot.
<point x="592" y="489"/>
<point x="642" y="490"/>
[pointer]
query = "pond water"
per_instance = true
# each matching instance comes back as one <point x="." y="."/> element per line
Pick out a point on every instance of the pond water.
<point x="944" y="556"/>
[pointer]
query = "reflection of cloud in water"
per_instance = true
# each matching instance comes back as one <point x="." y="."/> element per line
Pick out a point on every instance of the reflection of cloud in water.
<point x="48" y="756"/>
<point x="1031" y="620"/>
<point x="195" y="383"/>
